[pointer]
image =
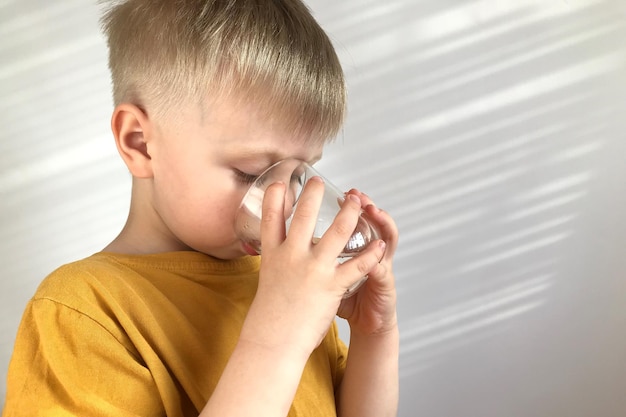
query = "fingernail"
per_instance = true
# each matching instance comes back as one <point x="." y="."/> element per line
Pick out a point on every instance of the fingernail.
<point x="382" y="244"/>
<point x="354" y="198"/>
<point x="318" y="179"/>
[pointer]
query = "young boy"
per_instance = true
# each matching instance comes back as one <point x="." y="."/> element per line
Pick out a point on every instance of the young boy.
<point x="173" y="318"/>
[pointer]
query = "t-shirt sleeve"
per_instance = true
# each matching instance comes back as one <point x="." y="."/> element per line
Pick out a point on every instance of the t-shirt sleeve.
<point x="67" y="364"/>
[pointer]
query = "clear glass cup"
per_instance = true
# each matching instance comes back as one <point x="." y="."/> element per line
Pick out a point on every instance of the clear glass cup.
<point x="296" y="173"/>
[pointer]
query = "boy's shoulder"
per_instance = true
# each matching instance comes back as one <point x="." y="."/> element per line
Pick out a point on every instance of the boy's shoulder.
<point x="72" y="277"/>
<point x="89" y="288"/>
<point x="86" y="285"/>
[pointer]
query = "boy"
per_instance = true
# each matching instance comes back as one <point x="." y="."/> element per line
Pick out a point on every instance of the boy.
<point x="172" y="317"/>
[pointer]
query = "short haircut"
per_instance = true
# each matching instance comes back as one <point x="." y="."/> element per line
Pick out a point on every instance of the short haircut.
<point x="271" y="53"/>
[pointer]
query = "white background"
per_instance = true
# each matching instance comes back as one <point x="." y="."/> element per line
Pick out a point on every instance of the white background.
<point x="493" y="131"/>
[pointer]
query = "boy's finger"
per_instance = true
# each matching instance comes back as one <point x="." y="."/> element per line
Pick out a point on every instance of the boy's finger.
<point x="342" y="227"/>
<point x="362" y="264"/>
<point x="365" y="199"/>
<point x="304" y="217"/>
<point x="272" y="218"/>
<point x="387" y="227"/>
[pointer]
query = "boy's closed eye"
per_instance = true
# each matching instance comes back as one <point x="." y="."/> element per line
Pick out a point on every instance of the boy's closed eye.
<point x="245" y="178"/>
<point x="248" y="179"/>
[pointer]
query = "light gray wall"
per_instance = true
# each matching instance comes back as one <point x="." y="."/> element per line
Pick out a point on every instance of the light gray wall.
<point x="493" y="131"/>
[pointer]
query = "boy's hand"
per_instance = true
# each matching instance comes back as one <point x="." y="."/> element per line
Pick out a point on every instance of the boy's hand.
<point x="301" y="284"/>
<point x="372" y="310"/>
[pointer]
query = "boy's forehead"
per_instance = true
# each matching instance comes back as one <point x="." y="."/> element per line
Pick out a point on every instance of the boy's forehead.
<point x="240" y="114"/>
<point x="254" y="131"/>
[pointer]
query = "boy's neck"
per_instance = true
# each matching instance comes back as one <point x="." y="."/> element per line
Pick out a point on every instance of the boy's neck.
<point x="142" y="234"/>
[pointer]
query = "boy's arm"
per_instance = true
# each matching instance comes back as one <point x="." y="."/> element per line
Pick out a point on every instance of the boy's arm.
<point x="67" y="363"/>
<point x="370" y="386"/>
<point x="258" y="381"/>
<point x="300" y="290"/>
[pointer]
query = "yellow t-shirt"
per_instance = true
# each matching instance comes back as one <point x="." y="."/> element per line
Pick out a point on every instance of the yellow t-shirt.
<point x="149" y="335"/>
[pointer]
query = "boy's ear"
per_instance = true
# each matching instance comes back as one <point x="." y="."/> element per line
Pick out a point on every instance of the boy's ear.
<point x="131" y="128"/>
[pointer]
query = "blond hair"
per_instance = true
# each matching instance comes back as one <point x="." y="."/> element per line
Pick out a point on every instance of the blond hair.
<point x="272" y="52"/>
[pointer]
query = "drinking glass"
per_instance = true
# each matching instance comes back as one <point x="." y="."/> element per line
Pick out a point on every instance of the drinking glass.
<point x="295" y="174"/>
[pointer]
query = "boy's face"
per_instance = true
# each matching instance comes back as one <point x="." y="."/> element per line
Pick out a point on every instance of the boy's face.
<point x="203" y="161"/>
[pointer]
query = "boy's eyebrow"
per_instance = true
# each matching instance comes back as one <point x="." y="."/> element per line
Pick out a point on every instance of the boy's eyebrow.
<point x="271" y="157"/>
